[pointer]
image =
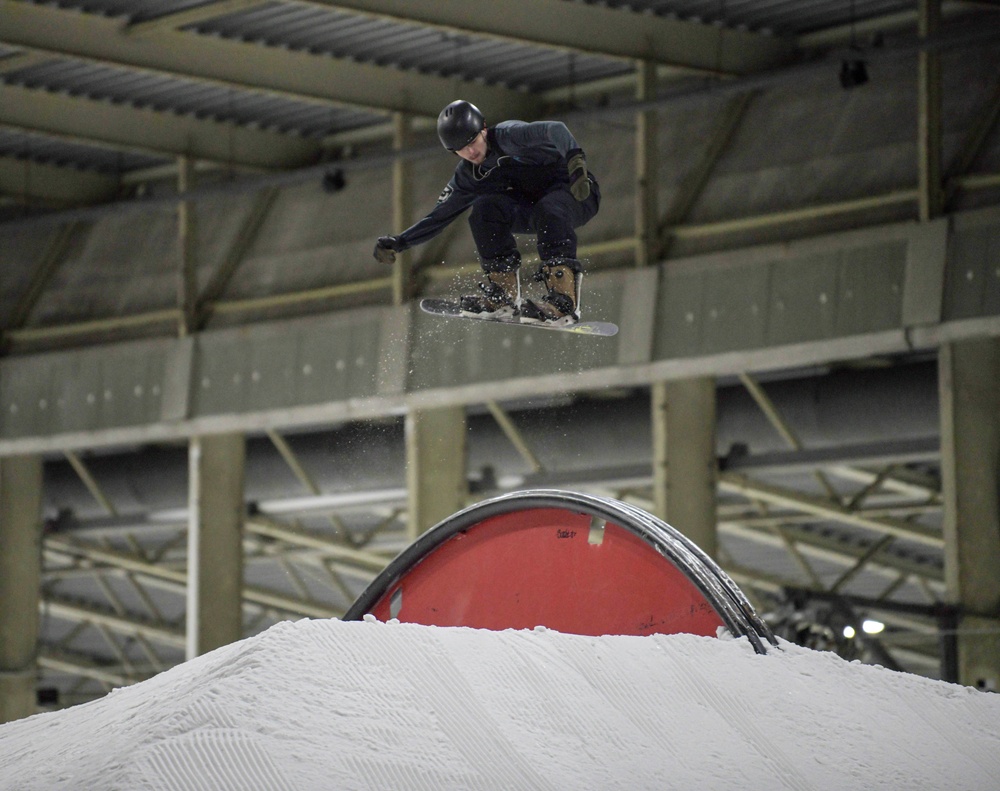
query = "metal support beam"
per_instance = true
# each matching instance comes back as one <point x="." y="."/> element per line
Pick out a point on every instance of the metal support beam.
<point x="684" y="462"/>
<point x="781" y="426"/>
<point x="115" y="125"/>
<point x="591" y="28"/>
<point x="402" y="204"/>
<point x="973" y="144"/>
<point x="969" y="383"/>
<point x="42" y="272"/>
<point x="514" y="435"/>
<point x="436" y="477"/>
<point x="59" y="662"/>
<point x="20" y="583"/>
<point x="694" y="182"/>
<point x="172" y="579"/>
<point x="249" y="66"/>
<point x="825" y="509"/>
<point x="646" y="182"/>
<point x="161" y="633"/>
<point x="187" y="280"/>
<point x="189" y="16"/>
<point x="39" y="184"/>
<point x="841" y="34"/>
<point x="304" y="477"/>
<point x="215" y="542"/>
<point x="236" y="254"/>
<point x="829" y="549"/>
<point x="271" y="528"/>
<point x="929" y="126"/>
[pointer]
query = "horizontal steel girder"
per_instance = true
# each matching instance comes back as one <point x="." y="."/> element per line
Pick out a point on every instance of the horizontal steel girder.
<point x="132" y="563"/>
<point x="251" y="66"/>
<point x="164" y="133"/>
<point x="591" y="28"/>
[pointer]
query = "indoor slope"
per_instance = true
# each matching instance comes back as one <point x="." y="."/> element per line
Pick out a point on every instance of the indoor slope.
<point x="366" y="705"/>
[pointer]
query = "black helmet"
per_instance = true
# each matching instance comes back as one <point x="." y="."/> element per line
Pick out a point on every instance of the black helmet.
<point x="458" y="124"/>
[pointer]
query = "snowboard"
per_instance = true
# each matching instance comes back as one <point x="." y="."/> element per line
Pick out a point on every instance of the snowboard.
<point x="449" y="309"/>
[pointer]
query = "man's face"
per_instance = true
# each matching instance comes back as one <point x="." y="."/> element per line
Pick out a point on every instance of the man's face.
<point x="475" y="152"/>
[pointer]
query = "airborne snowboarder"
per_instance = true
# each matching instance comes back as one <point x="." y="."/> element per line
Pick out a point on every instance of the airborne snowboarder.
<point x="518" y="178"/>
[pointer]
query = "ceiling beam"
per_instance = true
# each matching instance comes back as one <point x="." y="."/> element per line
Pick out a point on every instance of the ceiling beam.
<point x="42" y="272"/>
<point x="590" y="28"/>
<point x="829" y="548"/>
<point x="551" y="23"/>
<point x="78" y="611"/>
<point x="61" y="662"/>
<point x="125" y="561"/>
<point x="28" y="181"/>
<point x="258" y="67"/>
<point x="164" y="133"/>
<point x="21" y="60"/>
<point x="190" y="16"/>
<point x="896" y="21"/>
<point x="86" y="142"/>
<point x="827" y="509"/>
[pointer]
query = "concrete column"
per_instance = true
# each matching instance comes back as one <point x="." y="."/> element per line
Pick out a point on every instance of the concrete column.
<point x="969" y="382"/>
<point x="20" y="583"/>
<point x="684" y="463"/>
<point x="215" y="542"/>
<point x="435" y="466"/>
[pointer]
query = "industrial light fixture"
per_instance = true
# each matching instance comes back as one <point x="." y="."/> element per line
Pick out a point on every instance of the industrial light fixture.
<point x="870" y="626"/>
<point x="853" y="70"/>
<point x="334" y="180"/>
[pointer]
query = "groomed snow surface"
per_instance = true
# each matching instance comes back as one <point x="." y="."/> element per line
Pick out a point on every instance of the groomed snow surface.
<point x="367" y="705"/>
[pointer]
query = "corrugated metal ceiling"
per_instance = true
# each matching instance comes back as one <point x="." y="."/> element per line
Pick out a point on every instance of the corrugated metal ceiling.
<point x="325" y="31"/>
<point x="47" y="150"/>
<point x="427" y="50"/>
<point x="201" y="99"/>
<point x="780" y="17"/>
<point x="133" y="10"/>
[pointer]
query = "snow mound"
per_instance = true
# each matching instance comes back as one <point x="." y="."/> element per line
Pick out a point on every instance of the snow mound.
<point x="361" y="705"/>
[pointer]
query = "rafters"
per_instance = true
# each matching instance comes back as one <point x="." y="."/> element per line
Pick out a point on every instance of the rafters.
<point x="262" y="68"/>
<point x="590" y="28"/>
<point x="116" y="125"/>
<point x="550" y="23"/>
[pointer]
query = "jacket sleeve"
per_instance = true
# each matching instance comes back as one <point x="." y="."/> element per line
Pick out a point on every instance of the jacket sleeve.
<point x="452" y="201"/>
<point x="551" y="137"/>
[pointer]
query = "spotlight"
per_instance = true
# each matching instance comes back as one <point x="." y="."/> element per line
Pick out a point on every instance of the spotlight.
<point x="853" y="73"/>
<point x="334" y="181"/>
<point x="872" y="627"/>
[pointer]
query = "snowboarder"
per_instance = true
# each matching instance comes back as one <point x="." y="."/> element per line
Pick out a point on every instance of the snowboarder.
<point x="518" y="178"/>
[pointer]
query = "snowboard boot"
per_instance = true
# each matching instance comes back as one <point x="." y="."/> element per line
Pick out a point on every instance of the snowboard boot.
<point x="501" y="297"/>
<point x="561" y="305"/>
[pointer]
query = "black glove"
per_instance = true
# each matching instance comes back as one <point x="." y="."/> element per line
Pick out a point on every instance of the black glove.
<point x="576" y="166"/>
<point x="386" y="248"/>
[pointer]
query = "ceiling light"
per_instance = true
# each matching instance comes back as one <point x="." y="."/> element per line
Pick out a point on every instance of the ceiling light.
<point x="853" y="73"/>
<point x="872" y="627"/>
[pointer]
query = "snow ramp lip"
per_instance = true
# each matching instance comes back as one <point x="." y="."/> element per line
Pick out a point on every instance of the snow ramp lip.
<point x="569" y="561"/>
